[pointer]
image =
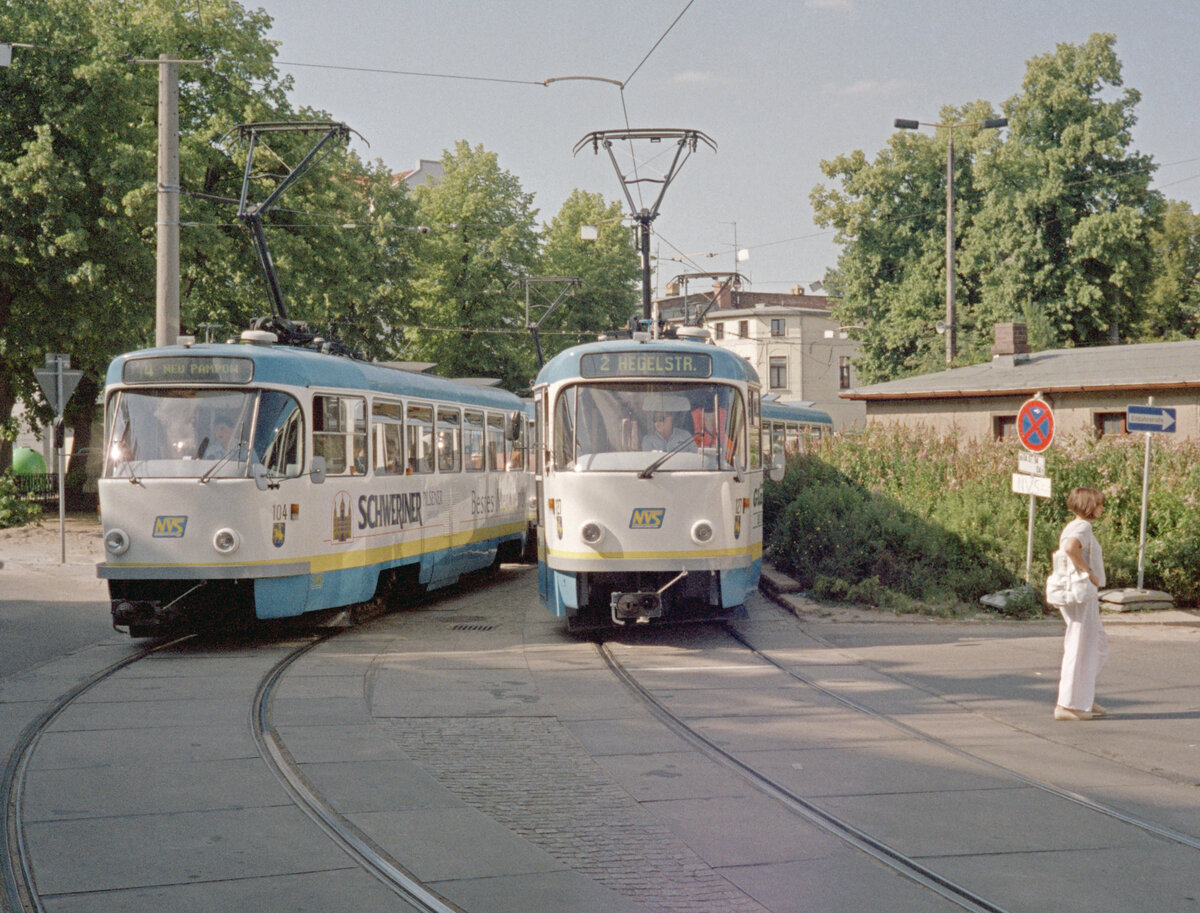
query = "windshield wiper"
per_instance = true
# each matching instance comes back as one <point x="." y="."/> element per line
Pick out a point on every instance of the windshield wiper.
<point x="649" y="470"/>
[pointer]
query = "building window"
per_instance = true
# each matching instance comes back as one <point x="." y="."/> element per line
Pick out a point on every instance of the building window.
<point x="743" y="329"/>
<point x="777" y="326"/>
<point x="718" y="331"/>
<point x="778" y="372"/>
<point x="1004" y="427"/>
<point x="1109" y="423"/>
<point x="844" y="372"/>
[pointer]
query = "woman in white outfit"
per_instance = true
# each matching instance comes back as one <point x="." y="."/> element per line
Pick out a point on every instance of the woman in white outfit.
<point x="1080" y="562"/>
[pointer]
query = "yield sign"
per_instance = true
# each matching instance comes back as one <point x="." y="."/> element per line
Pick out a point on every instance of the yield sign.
<point x="1035" y="425"/>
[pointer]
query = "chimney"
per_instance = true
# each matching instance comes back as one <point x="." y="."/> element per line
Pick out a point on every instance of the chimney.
<point x="724" y="296"/>
<point x="1012" y="345"/>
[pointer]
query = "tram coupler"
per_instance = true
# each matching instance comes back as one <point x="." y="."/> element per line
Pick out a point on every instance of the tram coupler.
<point x="641" y="607"/>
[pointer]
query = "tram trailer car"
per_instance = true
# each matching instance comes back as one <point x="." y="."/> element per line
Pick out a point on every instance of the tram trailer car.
<point x="792" y="427"/>
<point x="274" y="480"/>
<point x="649" y="478"/>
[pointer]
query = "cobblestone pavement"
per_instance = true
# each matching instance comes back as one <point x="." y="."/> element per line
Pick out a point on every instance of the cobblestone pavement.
<point x="533" y="776"/>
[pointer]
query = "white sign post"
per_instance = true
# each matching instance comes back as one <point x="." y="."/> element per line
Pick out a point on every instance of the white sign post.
<point x="1150" y="419"/>
<point x="1036" y="486"/>
<point x="58" y="383"/>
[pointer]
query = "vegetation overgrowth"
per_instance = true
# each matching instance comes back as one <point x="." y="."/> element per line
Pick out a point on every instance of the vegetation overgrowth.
<point x="913" y="521"/>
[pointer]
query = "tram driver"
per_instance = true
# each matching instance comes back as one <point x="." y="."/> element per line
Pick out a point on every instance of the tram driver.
<point x="665" y="436"/>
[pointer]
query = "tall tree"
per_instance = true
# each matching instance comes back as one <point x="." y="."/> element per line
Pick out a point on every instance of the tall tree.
<point x="77" y="168"/>
<point x="468" y="311"/>
<point x="890" y="220"/>
<point x="1063" y="237"/>
<point x="78" y="144"/>
<point x="1172" y="307"/>
<point x="608" y="266"/>
<point x="1052" y="222"/>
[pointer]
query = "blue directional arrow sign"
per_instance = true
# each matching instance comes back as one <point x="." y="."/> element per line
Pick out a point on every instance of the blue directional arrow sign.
<point x="1150" y="418"/>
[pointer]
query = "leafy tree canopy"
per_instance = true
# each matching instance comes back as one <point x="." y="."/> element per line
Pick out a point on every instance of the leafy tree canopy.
<point x="468" y="311"/>
<point x="1053" y="221"/>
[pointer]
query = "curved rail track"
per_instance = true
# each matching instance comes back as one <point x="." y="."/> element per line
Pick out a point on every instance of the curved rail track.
<point x="853" y="835"/>
<point x="1149" y="827"/>
<point x="19" y="887"/>
<point x="19" y="878"/>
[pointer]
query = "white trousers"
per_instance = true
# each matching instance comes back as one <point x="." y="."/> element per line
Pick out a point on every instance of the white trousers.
<point x="1085" y="648"/>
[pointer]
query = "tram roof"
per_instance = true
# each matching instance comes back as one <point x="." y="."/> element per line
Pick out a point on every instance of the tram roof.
<point x="726" y="365"/>
<point x="305" y="368"/>
<point x="773" y="410"/>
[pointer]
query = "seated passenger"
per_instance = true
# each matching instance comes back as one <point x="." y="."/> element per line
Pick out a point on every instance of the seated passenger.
<point x="666" y="436"/>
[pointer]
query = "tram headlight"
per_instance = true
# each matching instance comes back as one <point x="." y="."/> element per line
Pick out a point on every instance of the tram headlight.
<point x="702" y="532"/>
<point x="592" y="532"/>
<point x="226" y="541"/>
<point x="116" y="542"/>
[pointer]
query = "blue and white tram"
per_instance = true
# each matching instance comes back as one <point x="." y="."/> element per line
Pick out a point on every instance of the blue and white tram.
<point x="649" y="476"/>
<point x="279" y="480"/>
<point x="792" y="427"/>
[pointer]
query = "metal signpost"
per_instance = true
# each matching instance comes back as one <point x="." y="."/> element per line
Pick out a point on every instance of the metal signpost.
<point x="1150" y="419"/>
<point x="1035" y="428"/>
<point x="58" y="382"/>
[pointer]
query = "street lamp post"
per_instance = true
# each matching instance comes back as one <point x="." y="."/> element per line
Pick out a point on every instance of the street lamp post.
<point x="989" y="124"/>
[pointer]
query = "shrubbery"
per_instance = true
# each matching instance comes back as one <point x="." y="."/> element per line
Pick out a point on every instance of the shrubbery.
<point x="902" y="515"/>
<point x="15" y="508"/>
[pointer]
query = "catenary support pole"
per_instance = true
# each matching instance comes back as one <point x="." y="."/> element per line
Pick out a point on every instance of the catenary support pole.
<point x="166" y="305"/>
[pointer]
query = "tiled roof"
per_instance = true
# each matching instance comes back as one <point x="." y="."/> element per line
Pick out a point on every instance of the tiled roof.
<point x="1155" y="365"/>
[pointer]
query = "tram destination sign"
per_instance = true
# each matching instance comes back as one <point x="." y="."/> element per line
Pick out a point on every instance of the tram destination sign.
<point x="188" y="369"/>
<point x="645" y="364"/>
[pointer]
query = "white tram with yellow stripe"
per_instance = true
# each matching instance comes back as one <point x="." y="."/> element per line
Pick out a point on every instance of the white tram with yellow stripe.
<point x="649" y="481"/>
<point x="276" y="480"/>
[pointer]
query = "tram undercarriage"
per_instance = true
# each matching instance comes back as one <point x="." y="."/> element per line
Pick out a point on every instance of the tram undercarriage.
<point x="646" y="597"/>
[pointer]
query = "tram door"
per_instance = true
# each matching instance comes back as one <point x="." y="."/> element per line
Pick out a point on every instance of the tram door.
<point x="539" y="470"/>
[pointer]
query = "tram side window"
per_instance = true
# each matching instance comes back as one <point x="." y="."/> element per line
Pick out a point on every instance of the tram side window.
<point x="473" y="441"/>
<point x="279" y="434"/>
<point x="387" y="433"/>
<point x="755" y="430"/>
<point x="778" y="438"/>
<point x="449" y="432"/>
<point x="495" y="442"/>
<point x="516" y="450"/>
<point x="737" y="430"/>
<point x="565" y="448"/>
<point x="340" y="433"/>
<point x="420" y="439"/>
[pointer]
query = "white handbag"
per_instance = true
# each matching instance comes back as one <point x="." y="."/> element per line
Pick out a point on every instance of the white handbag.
<point x="1066" y="585"/>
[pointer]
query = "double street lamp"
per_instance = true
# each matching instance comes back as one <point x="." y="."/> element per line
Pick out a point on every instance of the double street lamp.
<point x="989" y="124"/>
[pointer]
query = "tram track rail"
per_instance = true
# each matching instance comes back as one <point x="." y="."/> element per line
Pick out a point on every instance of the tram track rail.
<point x="20" y="892"/>
<point x="20" y="886"/>
<point x="1150" y="827"/>
<point x="856" y="837"/>
<point x="345" y="835"/>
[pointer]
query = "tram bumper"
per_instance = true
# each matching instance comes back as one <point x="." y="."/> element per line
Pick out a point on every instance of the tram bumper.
<point x="638" y="607"/>
<point x="641" y="607"/>
<point x="143" y="613"/>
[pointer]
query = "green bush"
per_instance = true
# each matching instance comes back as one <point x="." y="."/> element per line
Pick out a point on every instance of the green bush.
<point x="935" y="518"/>
<point x="15" y="508"/>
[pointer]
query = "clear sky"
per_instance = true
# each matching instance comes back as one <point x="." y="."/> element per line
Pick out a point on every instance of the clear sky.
<point x="779" y="85"/>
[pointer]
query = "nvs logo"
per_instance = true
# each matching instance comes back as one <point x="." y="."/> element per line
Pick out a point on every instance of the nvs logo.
<point x="647" y="518"/>
<point x="169" y="527"/>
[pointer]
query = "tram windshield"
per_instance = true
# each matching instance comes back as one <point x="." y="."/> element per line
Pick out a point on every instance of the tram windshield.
<point x="202" y="433"/>
<point x="651" y="426"/>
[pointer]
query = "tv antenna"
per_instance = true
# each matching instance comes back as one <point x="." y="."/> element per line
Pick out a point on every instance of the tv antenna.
<point x="686" y="142"/>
